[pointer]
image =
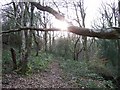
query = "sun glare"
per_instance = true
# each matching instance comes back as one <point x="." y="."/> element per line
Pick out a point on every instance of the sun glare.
<point x="60" y="24"/>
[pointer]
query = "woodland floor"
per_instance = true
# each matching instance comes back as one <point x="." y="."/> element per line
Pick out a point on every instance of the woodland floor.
<point x="50" y="78"/>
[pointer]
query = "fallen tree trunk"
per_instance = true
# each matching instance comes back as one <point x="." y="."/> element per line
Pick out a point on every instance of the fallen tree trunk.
<point x="114" y="32"/>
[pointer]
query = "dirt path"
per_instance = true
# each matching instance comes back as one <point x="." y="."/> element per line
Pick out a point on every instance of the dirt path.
<point x="51" y="78"/>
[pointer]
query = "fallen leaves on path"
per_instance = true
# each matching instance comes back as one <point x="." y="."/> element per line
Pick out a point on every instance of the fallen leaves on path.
<point x="51" y="78"/>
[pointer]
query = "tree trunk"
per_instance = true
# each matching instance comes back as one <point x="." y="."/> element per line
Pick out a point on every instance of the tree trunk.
<point x="75" y="57"/>
<point x="45" y="38"/>
<point x="25" y="44"/>
<point x="85" y="51"/>
<point x="37" y="44"/>
<point x="13" y="53"/>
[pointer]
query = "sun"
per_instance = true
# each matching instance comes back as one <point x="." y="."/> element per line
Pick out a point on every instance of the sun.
<point x="62" y="25"/>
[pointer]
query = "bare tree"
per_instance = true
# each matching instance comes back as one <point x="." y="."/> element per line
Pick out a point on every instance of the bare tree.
<point x="79" y="7"/>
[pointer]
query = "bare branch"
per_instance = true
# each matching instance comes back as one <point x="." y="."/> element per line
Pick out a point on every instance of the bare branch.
<point x="48" y="9"/>
<point x="56" y="6"/>
<point x="78" y="20"/>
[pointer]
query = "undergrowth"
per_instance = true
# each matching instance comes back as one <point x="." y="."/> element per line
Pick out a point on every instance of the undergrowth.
<point x="84" y="74"/>
<point x="35" y="63"/>
<point x="7" y="64"/>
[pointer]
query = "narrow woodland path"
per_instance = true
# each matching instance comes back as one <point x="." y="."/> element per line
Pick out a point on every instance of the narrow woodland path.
<point x="51" y="78"/>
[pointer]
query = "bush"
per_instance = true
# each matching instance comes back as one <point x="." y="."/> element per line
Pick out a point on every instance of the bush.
<point x="99" y="67"/>
<point x="37" y="64"/>
<point x="6" y="62"/>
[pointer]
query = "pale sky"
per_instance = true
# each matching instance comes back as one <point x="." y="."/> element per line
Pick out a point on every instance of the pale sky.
<point x="92" y="9"/>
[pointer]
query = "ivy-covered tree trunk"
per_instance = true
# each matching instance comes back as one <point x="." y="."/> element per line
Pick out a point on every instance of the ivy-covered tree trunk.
<point x="24" y="52"/>
<point x="32" y="33"/>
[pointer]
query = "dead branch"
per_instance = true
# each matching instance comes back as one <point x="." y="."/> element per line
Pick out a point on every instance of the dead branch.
<point x="28" y="28"/>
